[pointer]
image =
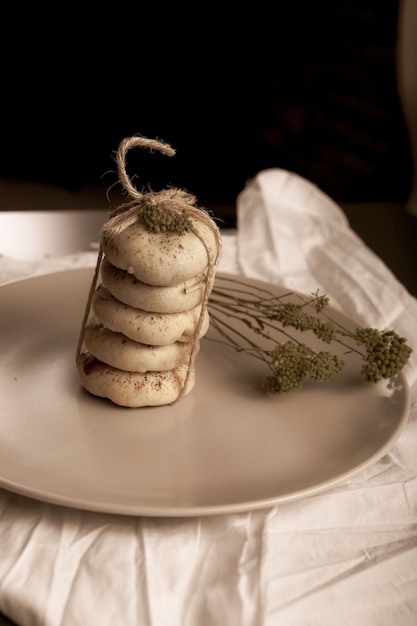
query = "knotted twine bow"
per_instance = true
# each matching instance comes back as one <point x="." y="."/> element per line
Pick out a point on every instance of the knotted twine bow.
<point x="176" y="200"/>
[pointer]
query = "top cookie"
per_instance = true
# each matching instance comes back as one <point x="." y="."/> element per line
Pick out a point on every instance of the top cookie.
<point x="163" y="258"/>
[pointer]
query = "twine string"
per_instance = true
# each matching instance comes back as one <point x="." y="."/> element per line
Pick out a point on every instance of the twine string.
<point x="124" y="216"/>
<point x="137" y="142"/>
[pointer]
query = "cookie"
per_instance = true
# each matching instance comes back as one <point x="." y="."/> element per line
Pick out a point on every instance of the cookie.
<point x="130" y="290"/>
<point x="125" y="354"/>
<point x="163" y="259"/>
<point x="132" y="389"/>
<point x="145" y="326"/>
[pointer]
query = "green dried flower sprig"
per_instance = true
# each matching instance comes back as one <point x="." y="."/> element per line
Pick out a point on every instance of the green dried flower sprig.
<point x="158" y="218"/>
<point x="383" y="353"/>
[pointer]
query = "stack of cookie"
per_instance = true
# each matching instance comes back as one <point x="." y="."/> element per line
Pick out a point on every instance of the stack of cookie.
<point x="149" y="313"/>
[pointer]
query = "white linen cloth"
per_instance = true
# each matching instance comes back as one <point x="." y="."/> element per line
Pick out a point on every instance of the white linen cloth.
<point x="346" y="556"/>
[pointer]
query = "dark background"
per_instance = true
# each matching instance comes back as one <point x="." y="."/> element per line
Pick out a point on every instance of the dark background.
<point x="309" y="87"/>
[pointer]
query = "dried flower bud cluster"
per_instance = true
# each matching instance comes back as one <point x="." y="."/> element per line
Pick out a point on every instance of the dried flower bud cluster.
<point x="160" y="219"/>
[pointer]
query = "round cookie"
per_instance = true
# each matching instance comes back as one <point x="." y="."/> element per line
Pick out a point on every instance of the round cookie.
<point x="130" y="290"/>
<point x="125" y="354"/>
<point x="132" y="389"/>
<point x="146" y="327"/>
<point x="163" y="259"/>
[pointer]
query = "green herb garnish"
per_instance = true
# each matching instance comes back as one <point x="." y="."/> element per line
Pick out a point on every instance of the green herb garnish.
<point x="159" y="219"/>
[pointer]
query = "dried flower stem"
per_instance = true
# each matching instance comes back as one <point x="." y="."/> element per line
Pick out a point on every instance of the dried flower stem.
<point x="264" y="314"/>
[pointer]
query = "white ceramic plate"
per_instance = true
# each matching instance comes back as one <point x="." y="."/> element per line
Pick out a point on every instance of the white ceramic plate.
<point x="225" y="447"/>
